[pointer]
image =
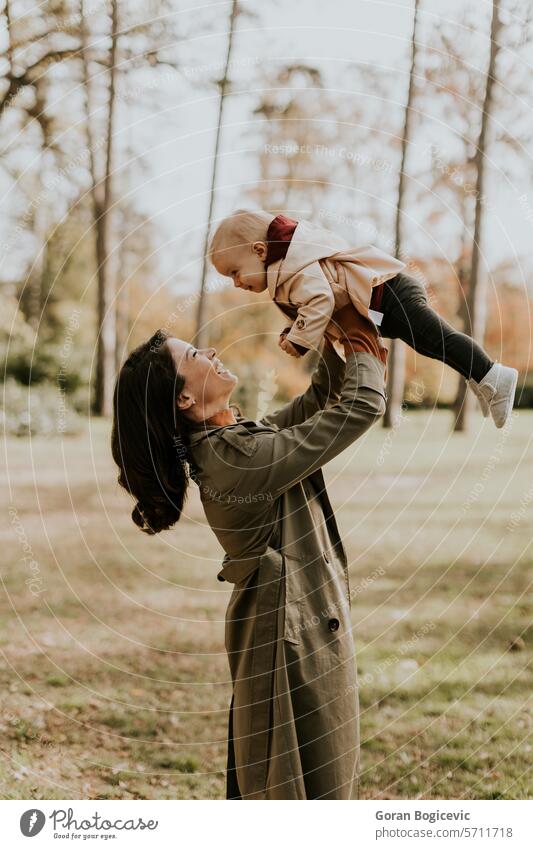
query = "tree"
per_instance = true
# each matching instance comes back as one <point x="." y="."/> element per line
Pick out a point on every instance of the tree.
<point x="59" y="152"/>
<point x="474" y="314"/>
<point x="34" y="46"/>
<point x="299" y="129"/>
<point x="461" y="94"/>
<point x="396" y="358"/>
<point x="31" y="53"/>
<point x="201" y="334"/>
<point x="100" y="191"/>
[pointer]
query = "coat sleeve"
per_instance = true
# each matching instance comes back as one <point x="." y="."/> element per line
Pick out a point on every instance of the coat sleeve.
<point x="325" y="386"/>
<point x="311" y="294"/>
<point x="276" y="461"/>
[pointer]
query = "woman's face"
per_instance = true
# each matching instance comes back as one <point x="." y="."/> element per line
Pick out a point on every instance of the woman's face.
<point x="208" y="384"/>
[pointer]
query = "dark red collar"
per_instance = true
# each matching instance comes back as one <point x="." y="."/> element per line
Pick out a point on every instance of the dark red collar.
<point x="279" y="237"/>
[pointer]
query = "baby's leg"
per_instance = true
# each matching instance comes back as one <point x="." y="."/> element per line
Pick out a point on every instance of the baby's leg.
<point x="408" y="316"/>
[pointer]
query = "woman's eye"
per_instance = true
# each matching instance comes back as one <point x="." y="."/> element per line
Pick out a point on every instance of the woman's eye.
<point x="194" y="353"/>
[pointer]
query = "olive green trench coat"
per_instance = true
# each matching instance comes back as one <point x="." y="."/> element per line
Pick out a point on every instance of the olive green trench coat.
<point x="294" y="718"/>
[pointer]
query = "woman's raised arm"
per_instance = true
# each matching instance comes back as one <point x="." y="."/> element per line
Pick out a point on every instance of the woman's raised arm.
<point x="325" y="386"/>
<point x="275" y="461"/>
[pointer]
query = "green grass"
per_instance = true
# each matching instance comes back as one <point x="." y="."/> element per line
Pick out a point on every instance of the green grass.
<point x="113" y="676"/>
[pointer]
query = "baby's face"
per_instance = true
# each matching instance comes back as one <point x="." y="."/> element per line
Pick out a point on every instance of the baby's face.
<point x="245" y="266"/>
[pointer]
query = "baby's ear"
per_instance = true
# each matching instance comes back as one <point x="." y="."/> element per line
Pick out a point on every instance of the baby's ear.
<point x="260" y="248"/>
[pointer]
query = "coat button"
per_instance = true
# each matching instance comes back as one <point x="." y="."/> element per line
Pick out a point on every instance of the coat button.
<point x="333" y="624"/>
<point x="220" y="578"/>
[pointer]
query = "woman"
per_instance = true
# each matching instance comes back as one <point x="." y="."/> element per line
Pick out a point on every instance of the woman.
<point x="294" y="717"/>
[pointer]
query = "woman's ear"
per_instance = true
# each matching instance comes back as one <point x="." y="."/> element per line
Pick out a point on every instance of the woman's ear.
<point x="260" y="248"/>
<point x="185" y="401"/>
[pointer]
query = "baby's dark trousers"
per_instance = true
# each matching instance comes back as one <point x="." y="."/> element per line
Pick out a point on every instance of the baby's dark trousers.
<point x="408" y="316"/>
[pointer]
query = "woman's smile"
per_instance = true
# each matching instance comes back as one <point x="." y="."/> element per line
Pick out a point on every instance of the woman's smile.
<point x="220" y="368"/>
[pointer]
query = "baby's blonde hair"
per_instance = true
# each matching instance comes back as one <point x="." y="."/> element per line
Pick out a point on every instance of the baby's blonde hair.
<point x="242" y="227"/>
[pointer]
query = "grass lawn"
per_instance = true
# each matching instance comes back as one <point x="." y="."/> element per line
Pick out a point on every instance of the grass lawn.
<point x="113" y="675"/>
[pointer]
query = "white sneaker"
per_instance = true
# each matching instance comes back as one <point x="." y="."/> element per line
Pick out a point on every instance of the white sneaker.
<point x="496" y="391"/>
<point x="483" y="403"/>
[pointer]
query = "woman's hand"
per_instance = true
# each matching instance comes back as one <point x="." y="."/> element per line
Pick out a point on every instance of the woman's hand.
<point x="359" y="333"/>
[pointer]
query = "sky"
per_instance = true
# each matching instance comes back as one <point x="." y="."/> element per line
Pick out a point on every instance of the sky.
<point x="171" y="124"/>
<point x="179" y="140"/>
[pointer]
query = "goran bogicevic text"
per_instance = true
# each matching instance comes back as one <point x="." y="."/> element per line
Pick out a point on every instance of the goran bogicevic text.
<point x="427" y="816"/>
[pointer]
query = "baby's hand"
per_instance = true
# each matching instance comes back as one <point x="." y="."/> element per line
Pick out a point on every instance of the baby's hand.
<point x="288" y="347"/>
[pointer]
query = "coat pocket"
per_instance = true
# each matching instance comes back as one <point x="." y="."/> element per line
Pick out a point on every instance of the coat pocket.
<point x="292" y="630"/>
<point x="292" y="603"/>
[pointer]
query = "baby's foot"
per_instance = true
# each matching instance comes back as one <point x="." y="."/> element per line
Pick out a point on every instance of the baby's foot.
<point x="483" y="403"/>
<point x="497" y="390"/>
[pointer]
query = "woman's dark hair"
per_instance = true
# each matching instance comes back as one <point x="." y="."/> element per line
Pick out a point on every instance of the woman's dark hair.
<point x="149" y="435"/>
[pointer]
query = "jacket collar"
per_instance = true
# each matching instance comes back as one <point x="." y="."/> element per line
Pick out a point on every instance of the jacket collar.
<point x="308" y="244"/>
<point x="202" y="430"/>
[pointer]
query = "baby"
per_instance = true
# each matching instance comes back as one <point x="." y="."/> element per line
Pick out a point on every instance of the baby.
<point x="312" y="274"/>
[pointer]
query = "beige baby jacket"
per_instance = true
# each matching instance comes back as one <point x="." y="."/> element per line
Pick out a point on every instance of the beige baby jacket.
<point x="322" y="273"/>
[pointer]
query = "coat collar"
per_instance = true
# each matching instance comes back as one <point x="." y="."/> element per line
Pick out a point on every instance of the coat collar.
<point x="201" y="431"/>
<point x="308" y="244"/>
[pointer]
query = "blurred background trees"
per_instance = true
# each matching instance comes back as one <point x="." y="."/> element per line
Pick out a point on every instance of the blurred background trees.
<point x="127" y="131"/>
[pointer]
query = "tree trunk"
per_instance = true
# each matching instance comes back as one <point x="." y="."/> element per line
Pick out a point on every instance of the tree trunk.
<point x="396" y="357"/>
<point x="37" y="281"/>
<point x="475" y="300"/>
<point x="463" y="399"/>
<point x="122" y="326"/>
<point x="122" y="303"/>
<point x="200" y="337"/>
<point x="105" y="344"/>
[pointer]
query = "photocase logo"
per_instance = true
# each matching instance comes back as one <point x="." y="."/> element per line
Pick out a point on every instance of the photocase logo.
<point x="31" y="822"/>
